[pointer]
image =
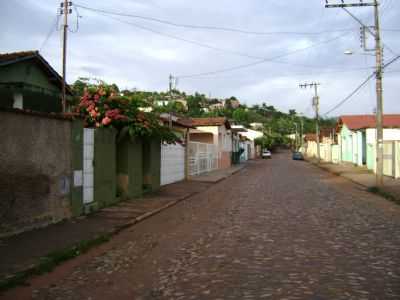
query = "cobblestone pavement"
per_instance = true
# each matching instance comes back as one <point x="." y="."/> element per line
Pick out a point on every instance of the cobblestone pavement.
<point x="278" y="229"/>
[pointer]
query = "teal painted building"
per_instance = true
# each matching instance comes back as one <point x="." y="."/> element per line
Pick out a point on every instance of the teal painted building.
<point x="27" y="81"/>
<point x="352" y="140"/>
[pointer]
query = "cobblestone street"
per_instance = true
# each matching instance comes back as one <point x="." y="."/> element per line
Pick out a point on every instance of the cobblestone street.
<point x="278" y="229"/>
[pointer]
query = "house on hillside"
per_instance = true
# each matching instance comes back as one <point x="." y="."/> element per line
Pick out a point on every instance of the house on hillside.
<point x="215" y="104"/>
<point x="257" y="126"/>
<point x="357" y="137"/>
<point x="27" y="81"/>
<point x="232" y="103"/>
<point x="217" y="132"/>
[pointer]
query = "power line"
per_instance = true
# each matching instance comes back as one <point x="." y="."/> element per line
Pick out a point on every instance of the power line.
<point x="53" y="27"/>
<point x="360" y="86"/>
<point x="351" y="94"/>
<point x="243" y="66"/>
<point x="391" y="61"/>
<point x="215" y="28"/>
<point x="237" y="53"/>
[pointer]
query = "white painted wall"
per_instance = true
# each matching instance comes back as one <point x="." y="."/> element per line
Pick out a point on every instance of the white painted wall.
<point x="18" y="101"/>
<point x="389" y="134"/>
<point x="221" y="136"/>
<point x="172" y="163"/>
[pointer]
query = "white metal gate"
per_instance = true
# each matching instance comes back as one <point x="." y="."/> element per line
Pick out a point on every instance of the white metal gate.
<point x="88" y="156"/>
<point x="389" y="166"/>
<point x="203" y="158"/>
<point x="172" y="163"/>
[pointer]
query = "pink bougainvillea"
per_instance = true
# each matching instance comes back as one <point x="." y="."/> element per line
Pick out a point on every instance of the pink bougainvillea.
<point x="102" y="107"/>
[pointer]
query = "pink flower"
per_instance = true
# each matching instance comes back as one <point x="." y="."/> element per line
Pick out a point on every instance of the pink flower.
<point x="93" y="114"/>
<point x="97" y="124"/>
<point x="106" y="121"/>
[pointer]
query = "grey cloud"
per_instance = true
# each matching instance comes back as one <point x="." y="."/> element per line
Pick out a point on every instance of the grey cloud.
<point x="133" y="57"/>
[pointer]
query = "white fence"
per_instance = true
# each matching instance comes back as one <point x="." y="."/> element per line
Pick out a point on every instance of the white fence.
<point x="172" y="163"/>
<point x="203" y="158"/>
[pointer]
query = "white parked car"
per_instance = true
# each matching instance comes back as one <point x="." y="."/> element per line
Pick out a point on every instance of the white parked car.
<point x="266" y="154"/>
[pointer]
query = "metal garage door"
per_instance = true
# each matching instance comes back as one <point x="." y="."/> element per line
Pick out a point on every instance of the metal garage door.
<point x="172" y="163"/>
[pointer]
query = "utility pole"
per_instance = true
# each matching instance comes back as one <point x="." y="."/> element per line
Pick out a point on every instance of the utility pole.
<point x="316" y="107"/>
<point x="171" y="83"/>
<point x="301" y="132"/>
<point x="65" y="10"/>
<point x="378" y="73"/>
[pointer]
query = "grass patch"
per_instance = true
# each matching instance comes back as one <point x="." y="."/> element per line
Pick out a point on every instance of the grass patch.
<point x="50" y="261"/>
<point x="378" y="191"/>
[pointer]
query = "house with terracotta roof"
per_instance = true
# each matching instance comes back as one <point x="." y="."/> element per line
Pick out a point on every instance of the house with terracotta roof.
<point x="217" y="132"/>
<point x="357" y="137"/>
<point x="27" y="81"/>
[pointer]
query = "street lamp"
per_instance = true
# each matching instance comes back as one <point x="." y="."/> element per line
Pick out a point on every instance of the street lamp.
<point x="351" y="52"/>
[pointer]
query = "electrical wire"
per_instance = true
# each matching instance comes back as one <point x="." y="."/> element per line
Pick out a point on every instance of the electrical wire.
<point x="237" y="53"/>
<point x="77" y="20"/>
<point x="53" y="27"/>
<point x="216" y="28"/>
<point x="351" y="95"/>
<point x="262" y="61"/>
<point x="360" y="86"/>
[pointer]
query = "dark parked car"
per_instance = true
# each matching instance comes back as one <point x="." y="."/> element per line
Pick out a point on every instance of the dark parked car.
<point x="297" y="155"/>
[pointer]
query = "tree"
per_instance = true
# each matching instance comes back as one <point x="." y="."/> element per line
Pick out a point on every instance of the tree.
<point x="241" y="116"/>
<point x="195" y="104"/>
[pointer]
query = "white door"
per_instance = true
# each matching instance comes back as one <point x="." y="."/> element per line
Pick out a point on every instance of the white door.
<point x="172" y="163"/>
<point x="88" y="156"/>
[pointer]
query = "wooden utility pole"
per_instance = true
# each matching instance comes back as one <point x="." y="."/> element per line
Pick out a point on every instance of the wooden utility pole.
<point x="378" y="73"/>
<point x="301" y="132"/>
<point x="315" y="103"/>
<point x="65" y="10"/>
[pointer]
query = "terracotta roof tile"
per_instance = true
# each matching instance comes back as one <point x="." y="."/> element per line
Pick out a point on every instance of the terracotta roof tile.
<point x="211" y="122"/>
<point x="14" y="57"/>
<point x="7" y="57"/>
<point x="355" y="122"/>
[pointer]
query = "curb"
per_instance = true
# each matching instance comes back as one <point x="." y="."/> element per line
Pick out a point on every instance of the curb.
<point x="118" y="229"/>
<point x="223" y="177"/>
<point x="339" y="174"/>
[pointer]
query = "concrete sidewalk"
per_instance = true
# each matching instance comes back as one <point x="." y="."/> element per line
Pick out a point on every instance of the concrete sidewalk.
<point x="361" y="176"/>
<point x="25" y="251"/>
<point x="217" y="175"/>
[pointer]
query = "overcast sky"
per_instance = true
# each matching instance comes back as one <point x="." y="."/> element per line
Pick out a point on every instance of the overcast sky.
<point x="139" y="53"/>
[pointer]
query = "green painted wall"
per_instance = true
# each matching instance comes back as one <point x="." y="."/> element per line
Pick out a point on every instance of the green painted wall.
<point x="370" y="157"/>
<point x="130" y="167"/>
<point x="77" y="165"/>
<point x="105" y="167"/>
<point x="27" y="72"/>
<point x="151" y="164"/>
<point x="347" y="144"/>
<point x="28" y="79"/>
